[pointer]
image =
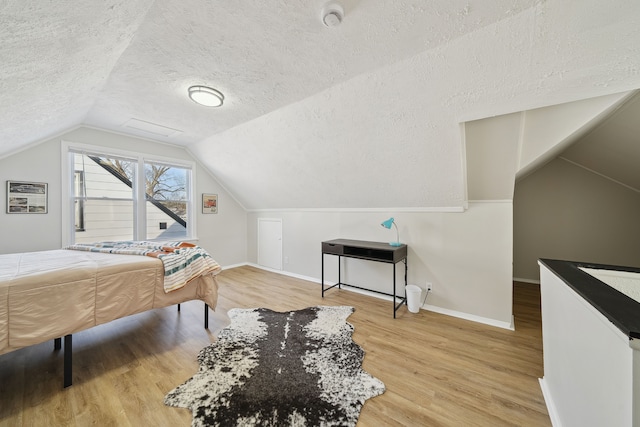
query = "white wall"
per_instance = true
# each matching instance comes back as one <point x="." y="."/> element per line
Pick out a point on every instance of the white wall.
<point x="492" y="156"/>
<point x="467" y="255"/>
<point x="588" y="363"/>
<point x="563" y="211"/>
<point x="222" y="234"/>
<point x="548" y="131"/>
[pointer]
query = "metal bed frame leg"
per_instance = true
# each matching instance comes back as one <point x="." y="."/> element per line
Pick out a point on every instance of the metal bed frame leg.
<point x="67" y="360"/>
<point x="68" y="349"/>
<point x="322" y="274"/>
<point x="206" y="315"/>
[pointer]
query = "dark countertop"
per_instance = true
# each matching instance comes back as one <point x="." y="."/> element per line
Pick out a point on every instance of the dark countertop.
<point x="621" y="310"/>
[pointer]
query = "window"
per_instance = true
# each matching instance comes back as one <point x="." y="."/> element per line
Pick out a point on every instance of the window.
<point x="167" y="200"/>
<point x="126" y="197"/>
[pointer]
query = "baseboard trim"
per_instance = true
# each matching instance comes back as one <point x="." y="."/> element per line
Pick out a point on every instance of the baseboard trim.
<point x="435" y="309"/>
<point x="551" y="408"/>
<point x="284" y="273"/>
<point x="227" y="267"/>
<point x="472" y="317"/>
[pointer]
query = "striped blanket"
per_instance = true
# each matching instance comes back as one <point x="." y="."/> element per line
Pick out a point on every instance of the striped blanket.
<point x="182" y="261"/>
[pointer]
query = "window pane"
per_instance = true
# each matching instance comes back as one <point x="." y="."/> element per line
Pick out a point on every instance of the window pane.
<point x="167" y="201"/>
<point x="163" y="226"/>
<point x="103" y="198"/>
<point x="106" y="220"/>
<point x="105" y="176"/>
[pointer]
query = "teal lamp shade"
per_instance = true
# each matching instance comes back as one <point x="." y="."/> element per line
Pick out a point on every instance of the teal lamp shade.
<point x="387" y="224"/>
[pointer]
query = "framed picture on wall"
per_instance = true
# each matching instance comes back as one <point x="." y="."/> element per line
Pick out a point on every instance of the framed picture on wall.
<point x="27" y="197"/>
<point x="209" y="203"/>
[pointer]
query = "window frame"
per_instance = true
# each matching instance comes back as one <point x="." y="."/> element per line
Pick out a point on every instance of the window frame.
<point x="139" y="201"/>
<point x="79" y="208"/>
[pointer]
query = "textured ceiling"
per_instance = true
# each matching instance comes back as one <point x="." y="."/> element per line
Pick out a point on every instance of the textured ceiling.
<point x="56" y="58"/>
<point x="370" y="108"/>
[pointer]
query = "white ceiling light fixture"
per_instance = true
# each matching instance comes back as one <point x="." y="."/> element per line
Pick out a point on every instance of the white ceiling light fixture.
<point x="207" y="96"/>
<point x="332" y="14"/>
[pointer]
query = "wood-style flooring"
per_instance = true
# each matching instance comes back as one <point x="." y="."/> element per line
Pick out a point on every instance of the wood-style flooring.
<point x="438" y="370"/>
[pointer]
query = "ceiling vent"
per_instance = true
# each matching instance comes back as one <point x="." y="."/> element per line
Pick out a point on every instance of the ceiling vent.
<point x="152" y="128"/>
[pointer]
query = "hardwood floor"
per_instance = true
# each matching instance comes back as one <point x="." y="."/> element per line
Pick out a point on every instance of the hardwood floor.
<point x="438" y="370"/>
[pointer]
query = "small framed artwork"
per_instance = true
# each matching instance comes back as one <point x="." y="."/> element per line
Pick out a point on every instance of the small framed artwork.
<point x="209" y="203"/>
<point x="27" y="197"/>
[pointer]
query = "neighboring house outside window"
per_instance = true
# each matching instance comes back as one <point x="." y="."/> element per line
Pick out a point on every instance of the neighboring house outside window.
<point x="108" y="205"/>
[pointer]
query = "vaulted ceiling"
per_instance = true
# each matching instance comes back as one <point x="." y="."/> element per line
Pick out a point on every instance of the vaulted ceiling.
<point x="363" y="115"/>
<point x="612" y="148"/>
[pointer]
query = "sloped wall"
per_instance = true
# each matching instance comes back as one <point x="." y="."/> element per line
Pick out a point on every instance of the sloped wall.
<point x="563" y="211"/>
<point x="548" y="131"/>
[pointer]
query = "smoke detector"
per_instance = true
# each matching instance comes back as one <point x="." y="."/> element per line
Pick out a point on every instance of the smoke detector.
<point x="332" y="14"/>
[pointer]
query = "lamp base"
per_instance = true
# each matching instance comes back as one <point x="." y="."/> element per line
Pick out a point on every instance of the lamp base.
<point x="395" y="243"/>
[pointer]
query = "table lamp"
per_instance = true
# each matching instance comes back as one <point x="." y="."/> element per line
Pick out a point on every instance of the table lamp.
<point x="387" y="224"/>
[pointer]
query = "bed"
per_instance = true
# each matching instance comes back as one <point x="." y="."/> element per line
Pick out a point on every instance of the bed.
<point x="52" y="294"/>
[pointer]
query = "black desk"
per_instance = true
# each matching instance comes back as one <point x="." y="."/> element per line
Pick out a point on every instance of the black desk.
<point x="372" y="251"/>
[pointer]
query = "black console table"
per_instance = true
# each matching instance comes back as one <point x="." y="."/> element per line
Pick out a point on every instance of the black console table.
<point x="372" y="251"/>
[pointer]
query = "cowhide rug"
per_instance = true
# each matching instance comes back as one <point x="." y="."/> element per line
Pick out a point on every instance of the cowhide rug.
<point x="299" y="368"/>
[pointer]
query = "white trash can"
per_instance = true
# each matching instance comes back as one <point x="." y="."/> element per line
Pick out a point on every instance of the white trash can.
<point x="413" y="298"/>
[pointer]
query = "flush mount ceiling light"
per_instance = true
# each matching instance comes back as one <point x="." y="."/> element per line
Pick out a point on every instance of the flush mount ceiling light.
<point x="332" y="14"/>
<point x="206" y="96"/>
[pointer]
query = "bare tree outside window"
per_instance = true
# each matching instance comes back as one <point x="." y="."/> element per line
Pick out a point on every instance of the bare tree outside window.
<point x="167" y="185"/>
<point x="163" y="183"/>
